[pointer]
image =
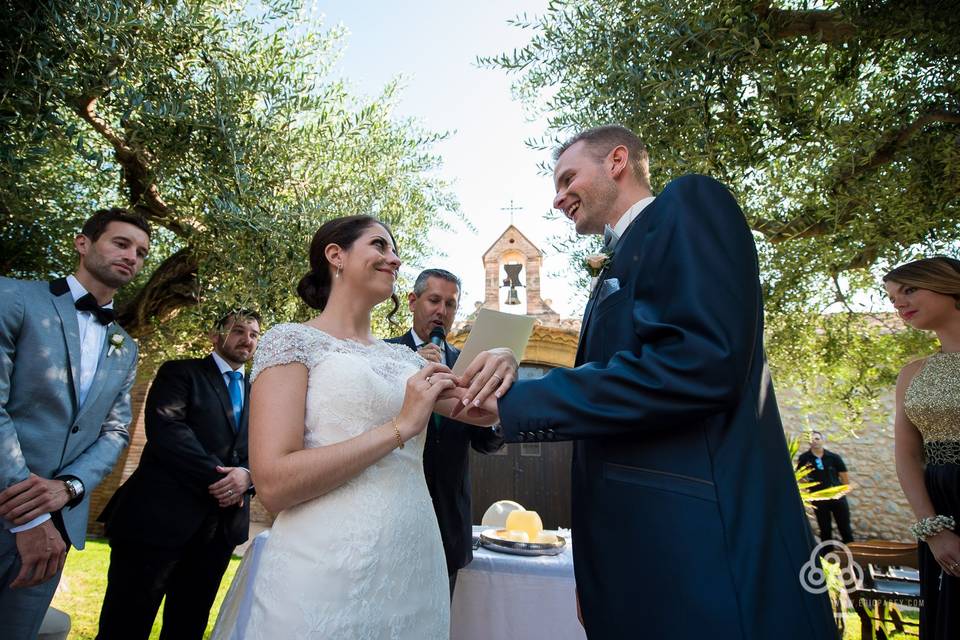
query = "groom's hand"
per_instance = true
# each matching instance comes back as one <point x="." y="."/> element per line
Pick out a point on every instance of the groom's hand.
<point x="42" y="552"/>
<point x="488" y="377"/>
<point x="28" y="499"/>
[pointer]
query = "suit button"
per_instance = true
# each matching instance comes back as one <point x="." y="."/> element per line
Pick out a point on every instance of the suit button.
<point x="75" y="429"/>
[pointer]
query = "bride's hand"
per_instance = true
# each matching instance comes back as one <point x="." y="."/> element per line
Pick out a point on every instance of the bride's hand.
<point x="423" y="389"/>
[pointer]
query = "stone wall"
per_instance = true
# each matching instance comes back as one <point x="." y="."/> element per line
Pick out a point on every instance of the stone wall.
<point x="878" y="508"/>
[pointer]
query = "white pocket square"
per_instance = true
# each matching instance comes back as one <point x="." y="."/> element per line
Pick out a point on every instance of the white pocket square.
<point x="607" y="287"/>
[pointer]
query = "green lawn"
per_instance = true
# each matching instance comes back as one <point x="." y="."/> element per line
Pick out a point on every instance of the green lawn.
<point x="85" y="580"/>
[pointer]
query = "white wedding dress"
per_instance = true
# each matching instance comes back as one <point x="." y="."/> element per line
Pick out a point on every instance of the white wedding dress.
<point x="365" y="560"/>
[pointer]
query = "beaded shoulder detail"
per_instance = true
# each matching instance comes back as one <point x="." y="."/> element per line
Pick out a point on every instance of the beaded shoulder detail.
<point x="932" y="400"/>
<point x="291" y="342"/>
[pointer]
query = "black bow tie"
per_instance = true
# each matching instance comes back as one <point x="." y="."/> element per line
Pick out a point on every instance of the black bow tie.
<point x="88" y="303"/>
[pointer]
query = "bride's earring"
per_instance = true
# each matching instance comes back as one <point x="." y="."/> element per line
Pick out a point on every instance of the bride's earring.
<point x="339" y="269"/>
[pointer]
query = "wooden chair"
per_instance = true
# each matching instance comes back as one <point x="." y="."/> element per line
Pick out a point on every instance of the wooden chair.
<point x="890" y="577"/>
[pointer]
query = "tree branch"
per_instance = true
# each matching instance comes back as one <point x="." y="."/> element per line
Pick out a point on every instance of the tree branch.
<point x="172" y="286"/>
<point x="809" y="224"/>
<point x="137" y="168"/>
<point x="825" y="25"/>
<point x="894" y="141"/>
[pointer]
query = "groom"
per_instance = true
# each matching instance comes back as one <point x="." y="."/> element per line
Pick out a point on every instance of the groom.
<point x="66" y="369"/>
<point x="684" y="500"/>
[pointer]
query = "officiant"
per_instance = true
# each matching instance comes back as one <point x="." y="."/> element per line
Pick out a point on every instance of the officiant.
<point x="446" y="453"/>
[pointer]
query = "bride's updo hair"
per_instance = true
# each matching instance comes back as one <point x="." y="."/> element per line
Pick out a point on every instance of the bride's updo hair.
<point x="314" y="288"/>
<point x="939" y="274"/>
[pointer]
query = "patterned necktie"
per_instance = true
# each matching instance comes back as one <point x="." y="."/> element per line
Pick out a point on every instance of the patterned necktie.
<point x="610" y="239"/>
<point x="235" y="396"/>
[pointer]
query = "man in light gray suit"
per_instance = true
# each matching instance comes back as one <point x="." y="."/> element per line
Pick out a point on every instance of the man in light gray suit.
<point x="65" y="375"/>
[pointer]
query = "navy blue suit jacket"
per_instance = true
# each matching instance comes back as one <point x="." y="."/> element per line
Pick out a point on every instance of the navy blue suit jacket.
<point x="446" y="467"/>
<point x="684" y="502"/>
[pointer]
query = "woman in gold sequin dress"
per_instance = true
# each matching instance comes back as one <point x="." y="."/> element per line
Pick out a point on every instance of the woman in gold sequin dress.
<point x="926" y="295"/>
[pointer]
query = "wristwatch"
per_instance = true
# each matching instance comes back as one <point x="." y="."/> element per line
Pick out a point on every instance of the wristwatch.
<point x="74" y="488"/>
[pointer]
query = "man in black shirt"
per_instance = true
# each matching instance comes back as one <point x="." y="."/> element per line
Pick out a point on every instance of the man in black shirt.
<point x="828" y="471"/>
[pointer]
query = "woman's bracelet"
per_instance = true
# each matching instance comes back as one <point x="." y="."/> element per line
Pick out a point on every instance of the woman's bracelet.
<point x="931" y="526"/>
<point x="396" y="432"/>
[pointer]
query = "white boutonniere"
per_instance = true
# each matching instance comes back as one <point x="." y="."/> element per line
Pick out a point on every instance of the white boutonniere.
<point x="116" y="344"/>
<point x="594" y="264"/>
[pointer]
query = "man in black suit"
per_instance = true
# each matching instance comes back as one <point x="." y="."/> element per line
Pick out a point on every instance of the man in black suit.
<point x="174" y="524"/>
<point x="446" y="459"/>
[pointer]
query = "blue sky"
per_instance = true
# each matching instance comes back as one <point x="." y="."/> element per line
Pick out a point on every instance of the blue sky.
<point x="433" y="46"/>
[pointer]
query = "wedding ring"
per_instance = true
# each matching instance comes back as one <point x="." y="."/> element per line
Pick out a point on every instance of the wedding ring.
<point x="429" y="381"/>
<point x="499" y="379"/>
<point x="229" y="492"/>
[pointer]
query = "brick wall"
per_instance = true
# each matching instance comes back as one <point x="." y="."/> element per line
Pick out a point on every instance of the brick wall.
<point x="128" y="459"/>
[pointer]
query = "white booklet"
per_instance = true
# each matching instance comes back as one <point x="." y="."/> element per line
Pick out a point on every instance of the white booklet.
<point x="493" y="329"/>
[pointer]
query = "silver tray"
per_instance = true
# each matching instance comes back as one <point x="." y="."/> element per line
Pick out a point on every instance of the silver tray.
<point x="522" y="548"/>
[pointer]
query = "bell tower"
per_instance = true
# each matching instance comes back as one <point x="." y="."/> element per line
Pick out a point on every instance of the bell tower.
<point x="512" y="276"/>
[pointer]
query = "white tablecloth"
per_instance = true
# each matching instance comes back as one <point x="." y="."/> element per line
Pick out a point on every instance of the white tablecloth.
<point x="505" y="596"/>
<point x="498" y="596"/>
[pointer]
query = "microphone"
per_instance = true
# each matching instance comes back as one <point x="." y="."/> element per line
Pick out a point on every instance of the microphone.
<point x="437" y="336"/>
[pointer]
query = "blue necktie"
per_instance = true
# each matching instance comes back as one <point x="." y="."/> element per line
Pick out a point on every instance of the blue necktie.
<point x="235" y="396"/>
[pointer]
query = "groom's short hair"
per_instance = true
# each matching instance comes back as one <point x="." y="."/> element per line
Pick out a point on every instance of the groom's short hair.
<point x="96" y="224"/>
<point x="603" y="139"/>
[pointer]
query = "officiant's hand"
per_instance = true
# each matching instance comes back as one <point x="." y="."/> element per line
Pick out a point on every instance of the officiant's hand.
<point x="431" y="352"/>
<point x="490" y="375"/>
<point x="423" y="389"/>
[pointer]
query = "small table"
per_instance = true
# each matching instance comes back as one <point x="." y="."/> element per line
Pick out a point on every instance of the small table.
<point x="499" y="595"/>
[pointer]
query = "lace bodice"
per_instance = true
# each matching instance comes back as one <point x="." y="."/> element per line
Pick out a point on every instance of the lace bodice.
<point x="294" y="342"/>
<point x="352" y="386"/>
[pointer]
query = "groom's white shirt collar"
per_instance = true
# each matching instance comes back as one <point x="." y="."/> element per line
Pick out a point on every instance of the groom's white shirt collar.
<point x="631" y="214"/>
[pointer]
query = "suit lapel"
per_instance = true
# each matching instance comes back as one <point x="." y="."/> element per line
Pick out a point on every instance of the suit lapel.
<point x="105" y="371"/>
<point x="245" y="413"/>
<point x="63" y="303"/>
<point x="643" y="220"/>
<point x="212" y="373"/>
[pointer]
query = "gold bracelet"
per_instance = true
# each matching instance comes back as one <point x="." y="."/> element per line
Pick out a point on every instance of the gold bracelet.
<point x="396" y="431"/>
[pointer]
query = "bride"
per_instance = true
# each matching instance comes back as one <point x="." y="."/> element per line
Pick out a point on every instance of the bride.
<point x="336" y="422"/>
